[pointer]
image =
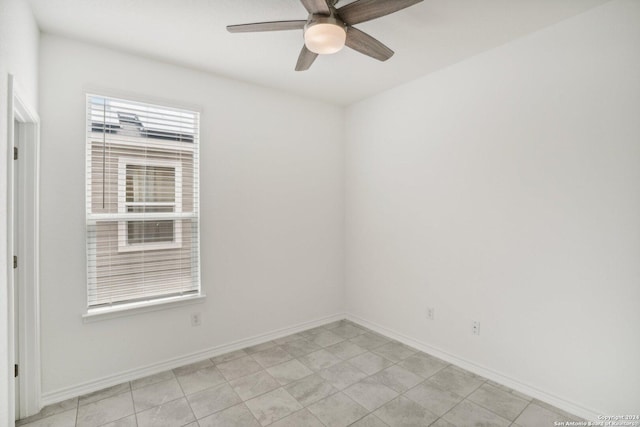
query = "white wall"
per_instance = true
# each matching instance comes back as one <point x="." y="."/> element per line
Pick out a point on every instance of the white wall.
<point x="19" y="37"/>
<point x="504" y="189"/>
<point x="272" y="213"/>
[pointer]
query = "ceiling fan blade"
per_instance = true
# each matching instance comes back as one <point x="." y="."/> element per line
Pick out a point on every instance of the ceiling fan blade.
<point x="305" y="59"/>
<point x="316" y="6"/>
<point x="365" y="44"/>
<point x="366" y="10"/>
<point x="267" y="26"/>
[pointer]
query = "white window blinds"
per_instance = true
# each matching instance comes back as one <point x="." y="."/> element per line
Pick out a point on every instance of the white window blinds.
<point x="142" y="202"/>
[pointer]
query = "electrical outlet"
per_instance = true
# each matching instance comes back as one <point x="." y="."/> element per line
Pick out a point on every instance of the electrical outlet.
<point x="196" y="319"/>
<point x="430" y="313"/>
<point x="475" y="328"/>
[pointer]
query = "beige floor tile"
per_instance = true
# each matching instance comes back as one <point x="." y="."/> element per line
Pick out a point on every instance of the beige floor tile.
<point x="346" y="350"/>
<point x="536" y="416"/>
<point x="300" y="347"/>
<point x="394" y="351"/>
<point x="152" y="379"/>
<point x="62" y="419"/>
<point x="405" y="412"/>
<point x="236" y="416"/>
<point x="342" y="375"/>
<point x="302" y="418"/>
<point x="105" y="410"/>
<point x="370" y="393"/>
<point x="228" y="356"/>
<point x="273" y="406"/>
<point x="433" y="398"/>
<point x="50" y="410"/>
<point x="104" y="393"/>
<point x="156" y="394"/>
<point x="469" y="414"/>
<point x="398" y="378"/>
<point x="319" y="360"/>
<point x="211" y="400"/>
<point x="254" y="385"/>
<point x="502" y="403"/>
<point x="239" y="368"/>
<point x="369" y="421"/>
<point x="290" y="371"/>
<point x="129" y="421"/>
<point x="453" y="380"/>
<point x="370" y="363"/>
<point x="187" y="369"/>
<point x="176" y="413"/>
<point x="337" y="410"/>
<point x="423" y="364"/>
<point x="271" y="356"/>
<point x="310" y="389"/>
<point x="200" y="380"/>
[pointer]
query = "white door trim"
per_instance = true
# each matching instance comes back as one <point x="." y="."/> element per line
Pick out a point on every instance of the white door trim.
<point x="27" y="288"/>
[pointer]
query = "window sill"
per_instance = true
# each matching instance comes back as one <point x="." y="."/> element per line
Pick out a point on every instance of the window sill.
<point x="124" y="310"/>
<point x="123" y="248"/>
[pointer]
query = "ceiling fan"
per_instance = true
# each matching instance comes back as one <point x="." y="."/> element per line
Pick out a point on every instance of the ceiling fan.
<point x="327" y="29"/>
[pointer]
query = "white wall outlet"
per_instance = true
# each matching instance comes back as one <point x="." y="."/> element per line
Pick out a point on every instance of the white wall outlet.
<point x="431" y="313"/>
<point x="196" y="319"/>
<point x="475" y="328"/>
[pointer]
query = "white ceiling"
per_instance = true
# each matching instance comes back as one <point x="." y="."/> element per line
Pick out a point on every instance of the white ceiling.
<point x="426" y="37"/>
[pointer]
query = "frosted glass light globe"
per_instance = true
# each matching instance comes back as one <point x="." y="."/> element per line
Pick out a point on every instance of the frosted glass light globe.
<point x="323" y="38"/>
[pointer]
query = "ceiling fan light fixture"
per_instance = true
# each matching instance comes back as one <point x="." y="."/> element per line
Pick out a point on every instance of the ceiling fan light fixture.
<point x="325" y="37"/>
<point x="328" y="29"/>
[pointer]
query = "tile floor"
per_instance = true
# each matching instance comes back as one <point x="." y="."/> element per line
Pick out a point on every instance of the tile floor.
<point x="340" y="374"/>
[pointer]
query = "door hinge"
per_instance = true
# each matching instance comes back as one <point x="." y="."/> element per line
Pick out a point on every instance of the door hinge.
<point x="15" y="261"/>
<point x="15" y="370"/>
<point x="15" y="153"/>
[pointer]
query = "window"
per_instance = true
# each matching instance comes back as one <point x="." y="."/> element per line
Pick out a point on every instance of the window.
<point x="149" y="186"/>
<point x="142" y="202"/>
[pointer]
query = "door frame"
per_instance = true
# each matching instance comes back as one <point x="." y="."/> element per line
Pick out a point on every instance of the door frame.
<point x="28" y="236"/>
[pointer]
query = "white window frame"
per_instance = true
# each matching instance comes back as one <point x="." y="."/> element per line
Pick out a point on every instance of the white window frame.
<point x="105" y="312"/>
<point x="123" y="244"/>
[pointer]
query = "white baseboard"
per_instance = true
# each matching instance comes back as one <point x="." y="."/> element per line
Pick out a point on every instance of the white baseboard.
<point x="558" y="402"/>
<point x="56" y="396"/>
